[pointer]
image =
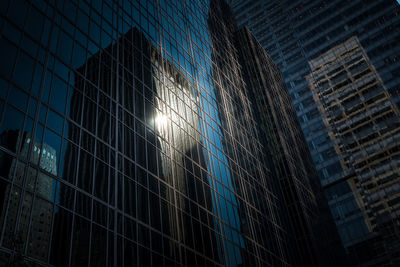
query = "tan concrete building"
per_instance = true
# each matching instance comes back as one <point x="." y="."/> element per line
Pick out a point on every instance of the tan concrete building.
<point x="364" y="124"/>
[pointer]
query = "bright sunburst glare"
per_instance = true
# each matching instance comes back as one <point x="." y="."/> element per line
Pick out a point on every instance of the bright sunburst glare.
<point x="161" y="120"/>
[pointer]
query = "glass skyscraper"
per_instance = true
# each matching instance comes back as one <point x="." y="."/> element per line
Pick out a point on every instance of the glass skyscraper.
<point x="296" y="32"/>
<point x="128" y="137"/>
<point x="312" y="235"/>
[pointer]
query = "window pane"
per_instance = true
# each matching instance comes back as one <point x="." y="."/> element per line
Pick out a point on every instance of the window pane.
<point x="80" y="243"/>
<point x="10" y="128"/>
<point x="58" y="94"/>
<point x="101" y="181"/>
<point x="85" y="171"/>
<point x="24" y="70"/>
<point x="50" y="152"/>
<point x="6" y="162"/>
<point x="55" y="121"/>
<point x="8" y="58"/>
<point x="99" y="246"/>
<point x="39" y="240"/>
<point x="61" y="239"/>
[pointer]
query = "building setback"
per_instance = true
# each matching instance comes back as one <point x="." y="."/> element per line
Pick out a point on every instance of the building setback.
<point x="295" y="32"/>
<point x="364" y="124"/>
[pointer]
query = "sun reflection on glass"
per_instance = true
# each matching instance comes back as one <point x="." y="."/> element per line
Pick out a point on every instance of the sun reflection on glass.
<point x="161" y="121"/>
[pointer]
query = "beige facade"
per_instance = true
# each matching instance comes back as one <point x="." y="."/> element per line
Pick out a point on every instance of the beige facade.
<point x="364" y="124"/>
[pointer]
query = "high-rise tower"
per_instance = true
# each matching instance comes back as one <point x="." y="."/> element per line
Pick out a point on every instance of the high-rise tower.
<point x="364" y="124"/>
<point x="295" y="32"/>
<point x="153" y="152"/>
<point x="312" y="235"/>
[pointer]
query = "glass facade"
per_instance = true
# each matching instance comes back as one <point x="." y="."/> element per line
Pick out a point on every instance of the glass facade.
<point x="311" y="223"/>
<point x="127" y="138"/>
<point x="294" y="33"/>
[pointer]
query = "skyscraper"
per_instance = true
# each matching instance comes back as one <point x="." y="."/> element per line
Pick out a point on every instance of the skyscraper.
<point x="294" y="33"/>
<point x="38" y="215"/>
<point x="143" y="141"/>
<point x="312" y="232"/>
<point x="364" y="124"/>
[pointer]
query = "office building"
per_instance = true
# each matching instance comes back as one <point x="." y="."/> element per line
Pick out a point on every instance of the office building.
<point x="39" y="215"/>
<point x="312" y="232"/>
<point x="364" y="124"/>
<point x="134" y="119"/>
<point x="294" y="33"/>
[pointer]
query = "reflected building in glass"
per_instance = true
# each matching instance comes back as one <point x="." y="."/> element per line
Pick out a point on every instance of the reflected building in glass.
<point x="128" y="138"/>
<point x="38" y="216"/>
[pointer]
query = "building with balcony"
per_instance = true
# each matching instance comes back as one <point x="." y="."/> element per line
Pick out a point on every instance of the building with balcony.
<point x="364" y="124"/>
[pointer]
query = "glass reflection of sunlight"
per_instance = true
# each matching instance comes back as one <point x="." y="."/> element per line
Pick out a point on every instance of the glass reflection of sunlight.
<point x="161" y="121"/>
